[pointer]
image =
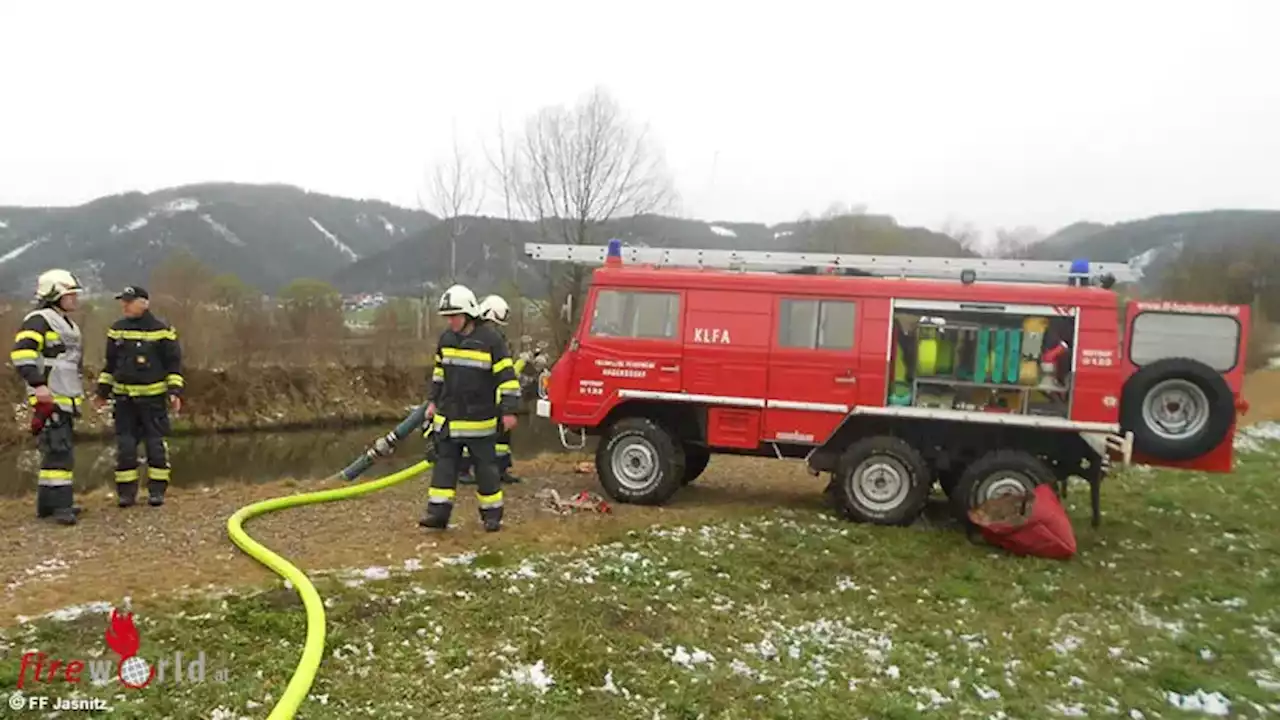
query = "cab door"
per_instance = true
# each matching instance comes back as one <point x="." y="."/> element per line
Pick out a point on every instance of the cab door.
<point x="1185" y="367"/>
<point x="628" y="346"/>
<point x="813" y="368"/>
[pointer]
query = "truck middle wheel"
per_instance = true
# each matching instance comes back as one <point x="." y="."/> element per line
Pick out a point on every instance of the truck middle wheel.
<point x="882" y="480"/>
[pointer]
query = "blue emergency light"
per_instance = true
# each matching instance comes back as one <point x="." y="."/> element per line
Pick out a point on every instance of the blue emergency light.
<point x="1079" y="272"/>
<point x="613" y="255"/>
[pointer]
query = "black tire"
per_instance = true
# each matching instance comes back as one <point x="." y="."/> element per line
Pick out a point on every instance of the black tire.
<point x="896" y="492"/>
<point x="650" y="463"/>
<point x="695" y="462"/>
<point x="999" y="472"/>
<point x="1177" y="389"/>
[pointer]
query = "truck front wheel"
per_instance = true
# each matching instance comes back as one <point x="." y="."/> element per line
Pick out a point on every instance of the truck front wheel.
<point x="1000" y="472"/>
<point x="639" y="462"/>
<point x="882" y="480"/>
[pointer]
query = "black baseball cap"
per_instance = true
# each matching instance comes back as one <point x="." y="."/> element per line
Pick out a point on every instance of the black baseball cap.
<point x="133" y="292"/>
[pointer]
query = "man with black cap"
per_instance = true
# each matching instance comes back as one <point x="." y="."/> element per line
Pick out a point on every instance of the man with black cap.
<point x="143" y="367"/>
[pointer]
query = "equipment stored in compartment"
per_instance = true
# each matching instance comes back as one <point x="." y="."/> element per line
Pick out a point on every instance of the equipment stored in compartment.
<point x="973" y="360"/>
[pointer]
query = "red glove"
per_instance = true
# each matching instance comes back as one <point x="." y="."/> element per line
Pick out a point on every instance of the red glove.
<point x="44" y="411"/>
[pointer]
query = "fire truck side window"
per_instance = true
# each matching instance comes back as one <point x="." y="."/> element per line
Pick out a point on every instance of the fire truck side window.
<point x="1212" y="339"/>
<point x="636" y="314"/>
<point x="816" y="324"/>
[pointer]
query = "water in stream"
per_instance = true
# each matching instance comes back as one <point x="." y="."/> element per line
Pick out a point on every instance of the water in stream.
<point x="200" y="460"/>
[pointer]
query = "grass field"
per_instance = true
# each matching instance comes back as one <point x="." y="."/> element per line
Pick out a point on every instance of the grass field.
<point x="1170" y="610"/>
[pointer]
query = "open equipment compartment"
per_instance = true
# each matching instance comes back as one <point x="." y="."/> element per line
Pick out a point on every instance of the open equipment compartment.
<point x="981" y="357"/>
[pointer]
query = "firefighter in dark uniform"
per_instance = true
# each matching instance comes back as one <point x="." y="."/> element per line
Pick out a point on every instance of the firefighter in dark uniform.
<point x="495" y="312"/>
<point x="143" y="375"/>
<point x="474" y="393"/>
<point x="48" y="353"/>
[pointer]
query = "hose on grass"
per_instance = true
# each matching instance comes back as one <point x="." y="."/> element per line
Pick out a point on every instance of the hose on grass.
<point x="313" y="650"/>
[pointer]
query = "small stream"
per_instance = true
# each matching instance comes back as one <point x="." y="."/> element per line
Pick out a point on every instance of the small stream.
<point x="202" y="460"/>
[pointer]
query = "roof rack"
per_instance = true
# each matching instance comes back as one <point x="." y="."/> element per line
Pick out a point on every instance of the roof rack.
<point x="967" y="270"/>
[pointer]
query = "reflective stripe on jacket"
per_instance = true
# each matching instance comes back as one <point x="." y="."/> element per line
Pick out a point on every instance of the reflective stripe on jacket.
<point x="48" y="349"/>
<point x="143" y="359"/>
<point x="473" y="382"/>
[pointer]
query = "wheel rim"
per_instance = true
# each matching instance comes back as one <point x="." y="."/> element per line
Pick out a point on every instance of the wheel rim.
<point x="1176" y="409"/>
<point x="881" y="484"/>
<point x="635" y="463"/>
<point x="1004" y="482"/>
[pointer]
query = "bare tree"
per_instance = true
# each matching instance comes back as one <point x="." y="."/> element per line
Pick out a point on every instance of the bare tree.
<point x="501" y="170"/>
<point x="455" y="192"/>
<point x="965" y="233"/>
<point x="574" y="169"/>
<point x="1015" y="242"/>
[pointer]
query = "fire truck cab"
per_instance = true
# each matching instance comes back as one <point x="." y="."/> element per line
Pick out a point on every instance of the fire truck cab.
<point x="890" y="374"/>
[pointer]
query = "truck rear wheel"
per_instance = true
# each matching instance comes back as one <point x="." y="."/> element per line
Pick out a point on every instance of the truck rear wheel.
<point x="1000" y="472"/>
<point x="639" y="462"/>
<point x="695" y="462"/>
<point x="1177" y="408"/>
<point x="882" y="480"/>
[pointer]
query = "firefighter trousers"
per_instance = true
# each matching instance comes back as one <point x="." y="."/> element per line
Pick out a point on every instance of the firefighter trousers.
<point x="142" y="420"/>
<point x="444" y="478"/>
<point x="55" y="496"/>
<point x="502" y="448"/>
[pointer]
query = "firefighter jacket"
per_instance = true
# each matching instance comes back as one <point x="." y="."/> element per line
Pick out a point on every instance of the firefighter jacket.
<point x="143" y="359"/>
<point x="473" y="382"/>
<point x="49" y="350"/>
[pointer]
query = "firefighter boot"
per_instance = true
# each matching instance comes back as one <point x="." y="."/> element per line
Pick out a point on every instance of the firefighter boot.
<point x="437" y="516"/>
<point x="127" y="493"/>
<point x="155" y="492"/>
<point x="64" y="510"/>
<point x="509" y="479"/>
<point x="44" y="501"/>
<point x="492" y="518"/>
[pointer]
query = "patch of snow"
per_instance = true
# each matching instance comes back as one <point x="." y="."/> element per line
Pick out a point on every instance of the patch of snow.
<point x="1253" y="438"/>
<point x="137" y="224"/>
<point x="180" y="205"/>
<point x="1139" y="263"/>
<point x="535" y="675"/>
<point x="1200" y="701"/>
<point x="341" y="246"/>
<point x="391" y="229"/>
<point x="71" y="612"/>
<point x="222" y="230"/>
<point x="21" y="249"/>
<point x="4" y="224"/>
<point x="723" y="231"/>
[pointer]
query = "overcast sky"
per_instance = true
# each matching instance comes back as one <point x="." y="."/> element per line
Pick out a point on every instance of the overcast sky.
<point x="998" y="113"/>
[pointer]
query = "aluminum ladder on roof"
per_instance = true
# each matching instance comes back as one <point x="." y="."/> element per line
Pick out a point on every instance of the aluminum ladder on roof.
<point x="903" y="266"/>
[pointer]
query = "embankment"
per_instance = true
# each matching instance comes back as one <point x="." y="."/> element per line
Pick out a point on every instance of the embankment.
<point x="257" y="398"/>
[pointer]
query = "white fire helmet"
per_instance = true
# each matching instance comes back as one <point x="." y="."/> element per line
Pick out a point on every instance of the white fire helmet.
<point x="458" y="300"/>
<point x="53" y="284"/>
<point x="495" y="309"/>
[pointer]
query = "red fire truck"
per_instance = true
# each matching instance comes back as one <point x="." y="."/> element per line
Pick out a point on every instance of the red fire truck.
<point x="889" y="373"/>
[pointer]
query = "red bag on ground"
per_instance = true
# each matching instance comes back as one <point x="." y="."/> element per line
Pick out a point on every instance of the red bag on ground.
<point x="1034" y="524"/>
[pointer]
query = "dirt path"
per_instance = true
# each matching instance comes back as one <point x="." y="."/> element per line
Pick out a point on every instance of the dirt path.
<point x="144" y="551"/>
<point x="1262" y="390"/>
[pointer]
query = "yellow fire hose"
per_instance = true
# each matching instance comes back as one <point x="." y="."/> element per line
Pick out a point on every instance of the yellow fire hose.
<point x="312" y="651"/>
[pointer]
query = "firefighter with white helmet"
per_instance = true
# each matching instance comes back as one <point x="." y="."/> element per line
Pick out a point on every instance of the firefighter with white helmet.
<point x="48" y="353"/>
<point x="495" y="312"/>
<point x="474" y="396"/>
